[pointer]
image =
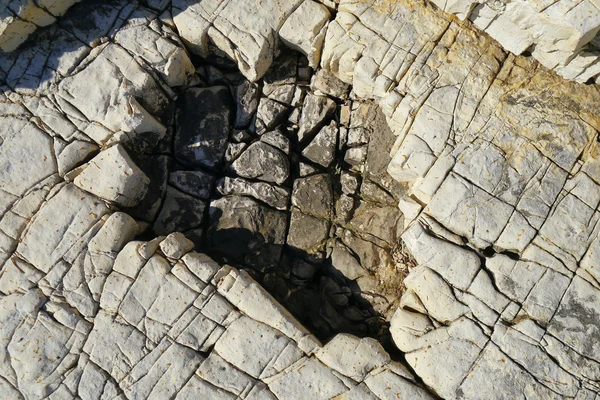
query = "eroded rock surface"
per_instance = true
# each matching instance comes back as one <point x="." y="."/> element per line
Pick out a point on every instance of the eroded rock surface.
<point x="402" y="169"/>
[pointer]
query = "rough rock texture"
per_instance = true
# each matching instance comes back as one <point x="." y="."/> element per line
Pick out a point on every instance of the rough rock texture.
<point x="562" y="36"/>
<point x="171" y="322"/>
<point x="20" y="18"/>
<point x="423" y="187"/>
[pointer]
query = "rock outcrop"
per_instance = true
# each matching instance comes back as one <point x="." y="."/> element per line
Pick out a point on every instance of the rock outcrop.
<point x="374" y="174"/>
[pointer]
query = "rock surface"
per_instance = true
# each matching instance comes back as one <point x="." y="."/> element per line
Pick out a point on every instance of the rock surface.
<point x="402" y="179"/>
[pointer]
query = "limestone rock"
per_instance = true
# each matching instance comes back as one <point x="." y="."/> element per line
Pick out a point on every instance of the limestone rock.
<point x="244" y="229"/>
<point x="203" y="126"/>
<point x="113" y="176"/>
<point x="305" y="29"/>
<point x="313" y="195"/>
<point x="115" y="75"/>
<point x="263" y="162"/>
<point x="322" y="148"/>
<point x="465" y="182"/>
<point x="272" y="195"/>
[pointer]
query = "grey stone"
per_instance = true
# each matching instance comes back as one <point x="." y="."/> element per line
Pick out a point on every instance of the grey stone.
<point x="321" y="149"/>
<point x="180" y="212"/>
<point x="203" y="126"/>
<point x="194" y="183"/>
<point x="272" y="195"/>
<point x="277" y="139"/>
<point x="270" y="113"/>
<point x="233" y="151"/>
<point x="349" y="182"/>
<point x="344" y="208"/>
<point x="313" y="195"/>
<point x="246" y="97"/>
<point x="263" y="162"/>
<point x="356" y="156"/>
<point x="315" y="111"/>
<point x="307" y="234"/>
<point x="243" y="229"/>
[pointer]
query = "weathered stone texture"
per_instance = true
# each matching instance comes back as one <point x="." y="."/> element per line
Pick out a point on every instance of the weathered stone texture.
<point x="420" y="173"/>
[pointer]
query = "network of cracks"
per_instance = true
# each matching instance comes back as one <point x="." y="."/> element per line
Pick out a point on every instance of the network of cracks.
<point x="114" y="135"/>
<point x="285" y="178"/>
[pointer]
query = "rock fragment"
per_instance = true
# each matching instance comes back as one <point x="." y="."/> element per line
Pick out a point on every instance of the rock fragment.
<point x="204" y="122"/>
<point x="263" y="162"/>
<point x="114" y="177"/>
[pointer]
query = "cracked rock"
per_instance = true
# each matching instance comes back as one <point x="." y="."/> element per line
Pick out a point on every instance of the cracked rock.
<point x="263" y="162"/>
<point x="113" y="176"/>
<point x="397" y="174"/>
<point x="322" y="148"/>
<point x="242" y="228"/>
<point x="204" y="120"/>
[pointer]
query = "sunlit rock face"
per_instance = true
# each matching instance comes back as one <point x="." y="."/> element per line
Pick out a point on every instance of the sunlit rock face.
<point x="561" y="35"/>
<point x="20" y="18"/>
<point x="289" y="199"/>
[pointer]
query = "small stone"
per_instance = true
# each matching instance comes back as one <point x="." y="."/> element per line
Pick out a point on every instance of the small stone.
<point x="304" y="74"/>
<point x="246" y="98"/>
<point x="281" y="93"/>
<point x="270" y="114"/>
<point x="344" y="207"/>
<point x="241" y="136"/>
<point x="315" y="111"/>
<point x="233" y="151"/>
<point x="176" y="245"/>
<point x="277" y="139"/>
<point x="321" y="149"/>
<point x="357" y="137"/>
<point x="305" y="169"/>
<point x="356" y="156"/>
<point x="203" y="126"/>
<point x="263" y="162"/>
<point x="349" y="182"/>
<point x="313" y="195"/>
<point x="303" y="270"/>
<point x="114" y="177"/>
<point x="272" y="195"/>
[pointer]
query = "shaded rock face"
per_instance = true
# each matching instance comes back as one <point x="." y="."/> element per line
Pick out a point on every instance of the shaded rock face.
<point x="401" y="177"/>
<point x="243" y="229"/>
<point x="203" y="125"/>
